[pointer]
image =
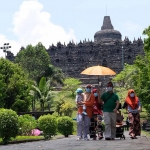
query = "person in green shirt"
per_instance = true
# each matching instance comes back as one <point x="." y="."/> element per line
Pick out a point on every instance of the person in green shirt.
<point x="110" y="102"/>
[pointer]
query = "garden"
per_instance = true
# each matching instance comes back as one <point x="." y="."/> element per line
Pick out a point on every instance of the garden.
<point x="32" y="84"/>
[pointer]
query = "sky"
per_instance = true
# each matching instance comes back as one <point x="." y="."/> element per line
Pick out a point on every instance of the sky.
<point x="24" y="22"/>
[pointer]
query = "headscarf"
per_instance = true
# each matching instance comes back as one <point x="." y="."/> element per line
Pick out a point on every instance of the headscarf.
<point x="94" y="91"/>
<point x="132" y="101"/>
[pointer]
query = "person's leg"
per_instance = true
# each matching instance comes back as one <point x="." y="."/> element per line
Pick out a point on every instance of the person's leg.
<point x="137" y="126"/>
<point x="131" y="128"/>
<point x="92" y="128"/>
<point x="113" y="125"/>
<point x="86" y="126"/>
<point x="79" y="126"/>
<point x="107" y="121"/>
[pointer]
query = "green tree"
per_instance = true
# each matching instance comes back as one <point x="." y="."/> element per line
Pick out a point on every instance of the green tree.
<point x="43" y="92"/>
<point x="71" y="84"/>
<point x="34" y="60"/>
<point x="55" y="74"/>
<point x="15" y="85"/>
<point x="126" y="76"/>
<point x="138" y="74"/>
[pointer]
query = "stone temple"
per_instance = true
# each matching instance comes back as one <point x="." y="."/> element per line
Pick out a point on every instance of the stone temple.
<point x="108" y="49"/>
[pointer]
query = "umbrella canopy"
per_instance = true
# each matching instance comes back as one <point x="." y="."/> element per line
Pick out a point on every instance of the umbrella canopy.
<point x="98" y="70"/>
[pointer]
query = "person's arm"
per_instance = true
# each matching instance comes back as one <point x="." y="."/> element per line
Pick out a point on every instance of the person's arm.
<point x="139" y="104"/>
<point x="117" y="106"/>
<point x="124" y="105"/>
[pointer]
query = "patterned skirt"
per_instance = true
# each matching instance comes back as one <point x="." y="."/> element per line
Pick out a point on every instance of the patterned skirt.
<point x="135" y="127"/>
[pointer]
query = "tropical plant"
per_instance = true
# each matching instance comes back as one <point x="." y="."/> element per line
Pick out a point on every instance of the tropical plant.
<point x="43" y="93"/>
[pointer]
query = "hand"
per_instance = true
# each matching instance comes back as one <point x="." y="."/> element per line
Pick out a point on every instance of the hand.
<point x="82" y="103"/>
<point x="115" y="110"/>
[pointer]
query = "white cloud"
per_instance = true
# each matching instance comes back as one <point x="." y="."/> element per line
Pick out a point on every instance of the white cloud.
<point x="132" y="30"/>
<point x="132" y="27"/>
<point x="33" y="25"/>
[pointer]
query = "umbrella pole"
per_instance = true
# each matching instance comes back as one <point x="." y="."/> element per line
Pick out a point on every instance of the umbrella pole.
<point x="98" y="83"/>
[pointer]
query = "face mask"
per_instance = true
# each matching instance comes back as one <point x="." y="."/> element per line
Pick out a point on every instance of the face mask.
<point x="87" y="90"/>
<point x="109" y="88"/>
<point x="95" y="94"/>
<point x="132" y="95"/>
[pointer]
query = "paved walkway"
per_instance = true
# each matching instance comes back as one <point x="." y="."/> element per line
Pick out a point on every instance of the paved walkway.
<point x="142" y="143"/>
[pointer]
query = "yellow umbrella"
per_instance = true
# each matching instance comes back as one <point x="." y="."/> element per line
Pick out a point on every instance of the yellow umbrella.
<point x="98" y="70"/>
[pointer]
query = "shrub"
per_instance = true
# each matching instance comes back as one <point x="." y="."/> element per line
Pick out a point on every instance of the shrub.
<point x="65" y="125"/>
<point x="67" y="109"/>
<point x="26" y="124"/>
<point x="48" y="125"/>
<point x="8" y="125"/>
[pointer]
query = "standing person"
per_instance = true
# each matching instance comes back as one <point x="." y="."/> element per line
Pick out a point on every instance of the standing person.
<point x="132" y="104"/>
<point x="97" y="112"/>
<point x="110" y="107"/>
<point x="83" y="121"/>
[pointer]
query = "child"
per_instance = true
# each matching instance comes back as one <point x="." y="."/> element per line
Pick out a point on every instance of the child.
<point x="79" y="99"/>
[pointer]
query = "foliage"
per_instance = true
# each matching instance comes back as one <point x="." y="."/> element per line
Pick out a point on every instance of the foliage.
<point x="43" y="93"/>
<point x="55" y="75"/>
<point x="15" y="85"/>
<point x="48" y="125"/>
<point x="125" y="77"/>
<point x="59" y="104"/>
<point x="65" y="125"/>
<point x="34" y="60"/>
<point x="8" y="124"/>
<point x="137" y="76"/>
<point x="71" y="84"/>
<point x="66" y="109"/>
<point x="26" y="124"/>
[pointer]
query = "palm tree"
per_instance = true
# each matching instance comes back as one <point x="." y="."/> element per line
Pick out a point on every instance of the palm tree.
<point x="43" y="93"/>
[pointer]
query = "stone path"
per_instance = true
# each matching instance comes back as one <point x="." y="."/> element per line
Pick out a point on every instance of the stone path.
<point x="142" y="143"/>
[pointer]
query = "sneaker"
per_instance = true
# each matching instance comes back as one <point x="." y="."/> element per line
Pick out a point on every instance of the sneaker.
<point x="100" y="137"/>
<point x="79" y="138"/>
<point x="86" y="139"/>
<point x="94" y="138"/>
<point x="84" y="113"/>
<point x="107" y="138"/>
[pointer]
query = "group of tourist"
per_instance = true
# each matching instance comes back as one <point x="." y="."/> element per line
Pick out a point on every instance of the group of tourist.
<point x="94" y="110"/>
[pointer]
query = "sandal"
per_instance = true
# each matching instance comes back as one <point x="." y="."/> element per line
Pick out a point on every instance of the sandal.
<point x="100" y="138"/>
<point x="132" y="137"/>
